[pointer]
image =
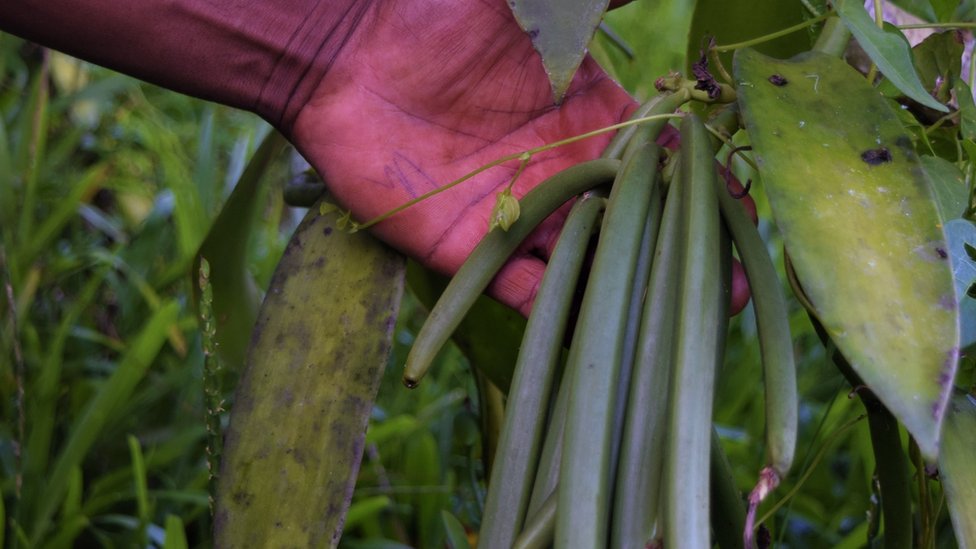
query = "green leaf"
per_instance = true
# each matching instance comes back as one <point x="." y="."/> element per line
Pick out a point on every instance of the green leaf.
<point x="889" y="50"/>
<point x="949" y="185"/>
<point x="456" y="537"/>
<point x="956" y="467"/>
<point x="102" y="408"/>
<point x="920" y="8"/>
<point x="422" y="466"/>
<point x="938" y="59"/>
<point x="738" y="20"/>
<point x="560" y="31"/>
<point x="175" y="533"/>
<point x="297" y="428"/>
<point x="960" y="233"/>
<point x="944" y="9"/>
<point x="967" y="110"/>
<point x="366" y="508"/>
<point x="236" y="295"/>
<point x="861" y="226"/>
<point x="657" y="31"/>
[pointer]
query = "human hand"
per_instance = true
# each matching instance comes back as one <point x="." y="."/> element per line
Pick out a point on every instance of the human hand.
<point x="428" y="90"/>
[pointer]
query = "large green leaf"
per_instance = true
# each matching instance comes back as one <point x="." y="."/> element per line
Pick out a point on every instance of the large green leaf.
<point x="861" y="226"/>
<point x="236" y="294"/>
<point x="656" y="32"/>
<point x="298" y="425"/>
<point x="956" y="467"/>
<point x="560" y="31"/>
<point x="734" y="21"/>
<point x="889" y="50"/>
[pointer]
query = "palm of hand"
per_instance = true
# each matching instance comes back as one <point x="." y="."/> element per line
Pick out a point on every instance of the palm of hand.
<point x="427" y="91"/>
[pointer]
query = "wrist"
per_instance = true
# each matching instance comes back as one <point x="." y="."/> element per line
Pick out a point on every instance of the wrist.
<point x="305" y="57"/>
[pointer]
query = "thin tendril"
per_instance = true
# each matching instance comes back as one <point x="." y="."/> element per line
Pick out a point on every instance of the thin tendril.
<point x="948" y="25"/>
<point x="524" y="162"/>
<point x="774" y="35"/>
<point x="816" y="461"/>
<point x="523" y="155"/>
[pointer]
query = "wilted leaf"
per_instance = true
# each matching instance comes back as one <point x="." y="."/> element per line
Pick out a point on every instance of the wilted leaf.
<point x="861" y="225"/>
<point x="560" y="31"/>
<point x="319" y="349"/>
<point x="889" y="50"/>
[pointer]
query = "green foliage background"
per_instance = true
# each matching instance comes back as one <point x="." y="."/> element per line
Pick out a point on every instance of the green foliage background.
<point x="108" y="186"/>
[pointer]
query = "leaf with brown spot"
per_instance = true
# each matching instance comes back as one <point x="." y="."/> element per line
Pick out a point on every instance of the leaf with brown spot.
<point x="298" y="427"/>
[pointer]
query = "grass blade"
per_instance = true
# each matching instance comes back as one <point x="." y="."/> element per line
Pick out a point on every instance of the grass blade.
<point x="113" y="393"/>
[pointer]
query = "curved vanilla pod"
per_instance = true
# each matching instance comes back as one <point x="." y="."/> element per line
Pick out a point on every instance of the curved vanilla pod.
<point x="528" y="397"/>
<point x="775" y="341"/>
<point x="636" y="495"/>
<point x="697" y="340"/>
<point x="491" y="253"/>
<point x="642" y="267"/>
<point x="540" y="527"/>
<point x="547" y="472"/>
<point x="659" y="104"/>
<point x="775" y="347"/>
<point x="595" y="356"/>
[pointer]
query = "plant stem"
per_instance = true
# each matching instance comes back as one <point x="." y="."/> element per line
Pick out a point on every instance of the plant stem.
<point x="774" y="35"/>
<point x="948" y="25"/>
<point x="833" y="38"/>
<point x="892" y="467"/>
<point x="727" y="511"/>
<point x="515" y="156"/>
<point x="891" y="463"/>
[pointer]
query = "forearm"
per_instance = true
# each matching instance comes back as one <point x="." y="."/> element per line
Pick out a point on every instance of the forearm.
<point x="266" y="57"/>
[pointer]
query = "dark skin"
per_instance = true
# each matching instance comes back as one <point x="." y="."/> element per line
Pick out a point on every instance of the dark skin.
<point x="388" y="99"/>
<point x="460" y="87"/>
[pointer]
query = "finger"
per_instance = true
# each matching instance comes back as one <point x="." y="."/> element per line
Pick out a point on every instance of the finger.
<point x="517" y="283"/>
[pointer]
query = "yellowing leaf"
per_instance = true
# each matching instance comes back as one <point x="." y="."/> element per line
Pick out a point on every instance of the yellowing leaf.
<point x="861" y="226"/>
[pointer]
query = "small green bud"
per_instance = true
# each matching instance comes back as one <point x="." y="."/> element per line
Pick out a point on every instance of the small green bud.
<point x="505" y="212"/>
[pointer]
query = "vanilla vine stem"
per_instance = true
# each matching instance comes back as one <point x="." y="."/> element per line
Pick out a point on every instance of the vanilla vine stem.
<point x="523" y="156"/>
<point x="773" y="35"/>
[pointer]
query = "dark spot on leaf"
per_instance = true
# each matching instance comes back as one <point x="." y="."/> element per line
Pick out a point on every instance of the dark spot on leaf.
<point x="533" y="33"/>
<point x="877" y="156"/>
<point x="942" y="253"/>
<point x="778" y="80"/>
<point x="327" y="231"/>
